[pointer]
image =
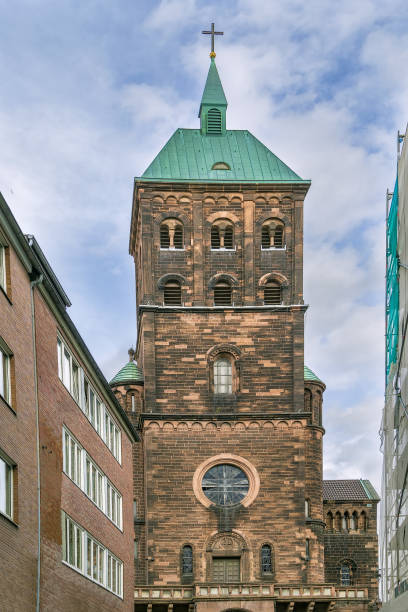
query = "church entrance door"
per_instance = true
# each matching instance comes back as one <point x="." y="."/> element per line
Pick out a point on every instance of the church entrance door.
<point x="226" y="569"/>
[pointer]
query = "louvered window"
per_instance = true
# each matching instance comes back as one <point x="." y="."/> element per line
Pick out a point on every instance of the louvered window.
<point x="272" y="293"/>
<point x="222" y="294"/>
<point x="164" y="237"/>
<point x="215" y="237"/>
<point x="278" y="237"/>
<point x="266" y="240"/>
<point x="214" y="121"/>
<point x="266" y="558"/>
<point x="172" y="293"/>
<point x="228" y="238"/>
<point x="187" y="560"/>
<point x="178" y="237"/>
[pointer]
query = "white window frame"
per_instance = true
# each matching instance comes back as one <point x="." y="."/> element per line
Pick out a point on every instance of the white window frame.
<point x="68" y="370"/>
<point x="5" y="370"/>
<point x="3" y="271"/>
<point x="77" y="561"/>
<point x="72" y="458"/>
<point x="73" y="376"/>
<point x="88" y="549"/>
<point x="7" y="486"/>
<point x="113" y="504"/>
<point x="79" y="466"/>
<point x="113" y="436"/>
<point x="95" y="483"/>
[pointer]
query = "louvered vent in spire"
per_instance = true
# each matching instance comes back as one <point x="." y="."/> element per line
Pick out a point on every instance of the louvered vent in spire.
<point x="214" y="121"/>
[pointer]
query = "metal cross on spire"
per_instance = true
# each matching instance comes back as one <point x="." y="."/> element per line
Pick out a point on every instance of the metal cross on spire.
<point x="213" y="33"/>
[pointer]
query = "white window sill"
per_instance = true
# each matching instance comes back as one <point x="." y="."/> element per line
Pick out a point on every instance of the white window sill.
<point x="274" y="249"/>
<point x="172" y="249"/>
<point x="8" y="518"/>
<point x="82" y="573"/>
<point x="223" y="250"/>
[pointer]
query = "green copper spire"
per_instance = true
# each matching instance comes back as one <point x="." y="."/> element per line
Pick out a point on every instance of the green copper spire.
<point x="213" y="104"/>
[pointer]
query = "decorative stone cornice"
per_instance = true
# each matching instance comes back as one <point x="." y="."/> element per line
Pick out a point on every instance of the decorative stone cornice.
<point x="241" y="422"/>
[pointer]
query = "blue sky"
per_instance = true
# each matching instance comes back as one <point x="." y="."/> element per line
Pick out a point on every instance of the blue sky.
<point x="92" y="90"/>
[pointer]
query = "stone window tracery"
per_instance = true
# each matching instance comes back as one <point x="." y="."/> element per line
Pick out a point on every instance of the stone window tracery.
<point x="272" y="234"/>
<point x="222" y="235"/>
<point x="171" y="234"/>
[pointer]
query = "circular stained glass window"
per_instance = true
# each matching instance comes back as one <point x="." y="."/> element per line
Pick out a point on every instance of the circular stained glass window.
<point x="225" y="485"/>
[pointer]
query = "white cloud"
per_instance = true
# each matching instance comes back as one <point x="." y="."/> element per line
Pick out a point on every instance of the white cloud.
<point x="324" y="87"/>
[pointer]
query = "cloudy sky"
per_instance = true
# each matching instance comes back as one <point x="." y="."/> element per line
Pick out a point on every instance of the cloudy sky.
<point x="92" y="89"/>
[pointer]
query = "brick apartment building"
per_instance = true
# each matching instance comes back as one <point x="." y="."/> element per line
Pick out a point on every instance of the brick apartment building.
<point x="66" y="486"/>
<point x="222" y="505"/>
<point x="230" y="513"/>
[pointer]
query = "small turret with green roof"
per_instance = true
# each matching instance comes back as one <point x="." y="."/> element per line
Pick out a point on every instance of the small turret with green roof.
<point x="314" y="388"/>
<point x="311" y="376"/>
<point x="130" y="373"/>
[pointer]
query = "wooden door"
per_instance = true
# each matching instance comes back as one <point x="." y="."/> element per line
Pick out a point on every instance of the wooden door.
<point x="226" y="569"/>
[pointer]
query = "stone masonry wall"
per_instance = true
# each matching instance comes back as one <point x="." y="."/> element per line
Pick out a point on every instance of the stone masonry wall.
<point x="360" y="546"/>
<point x="269" y="365"/>
<point x="277" y="449"/>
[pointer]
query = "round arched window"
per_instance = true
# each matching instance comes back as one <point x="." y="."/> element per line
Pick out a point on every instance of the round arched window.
<point x="225" y="484"/>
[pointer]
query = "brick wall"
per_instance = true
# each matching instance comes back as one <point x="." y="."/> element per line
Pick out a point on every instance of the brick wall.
<point x="18" y="549"/>
<point x="63" y="587"/>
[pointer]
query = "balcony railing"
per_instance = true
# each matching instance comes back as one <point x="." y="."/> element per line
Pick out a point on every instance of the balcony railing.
<point x="248" y="591"/>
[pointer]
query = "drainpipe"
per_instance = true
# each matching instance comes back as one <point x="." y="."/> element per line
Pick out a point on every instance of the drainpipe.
<point x="36" y="281"/>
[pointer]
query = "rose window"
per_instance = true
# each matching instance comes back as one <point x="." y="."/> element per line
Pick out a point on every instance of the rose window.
<point x="225" y="485"/>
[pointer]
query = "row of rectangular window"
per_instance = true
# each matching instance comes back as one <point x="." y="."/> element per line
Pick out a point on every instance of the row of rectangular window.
<point x="81" y="469"/>
<point x="74" y="379"/>
<point x="89" y="557"/>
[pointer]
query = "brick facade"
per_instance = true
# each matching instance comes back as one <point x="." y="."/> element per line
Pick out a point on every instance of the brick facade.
<point x="61" y="586"/>
<point x="18" y="537"/>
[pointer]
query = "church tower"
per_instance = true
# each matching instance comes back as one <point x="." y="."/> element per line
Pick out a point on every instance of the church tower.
<point x="231" y="500"/>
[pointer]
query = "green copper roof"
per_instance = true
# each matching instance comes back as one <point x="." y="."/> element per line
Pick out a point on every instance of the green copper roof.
<point x="309" y="375"/>
<point x="213" y="93"/>
<point x="369" y="489"/>
<point x="189" y="156"/>
<point x="130" y="373"/>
